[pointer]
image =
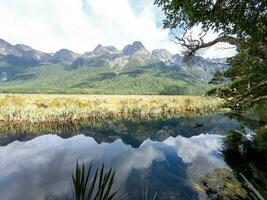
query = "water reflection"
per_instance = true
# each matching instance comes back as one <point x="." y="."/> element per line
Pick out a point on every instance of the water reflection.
<point x="41" y="168"/>
<point x="131" y="132"/>
<point x="246" y="152"/>
<point x="169" y="156"/>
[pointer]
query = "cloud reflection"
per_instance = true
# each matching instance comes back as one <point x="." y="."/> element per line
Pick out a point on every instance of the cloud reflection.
<point x="41" y="168"/>
<point x="190" y="148"/>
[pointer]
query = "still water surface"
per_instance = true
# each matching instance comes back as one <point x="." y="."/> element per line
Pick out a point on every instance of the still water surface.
<point x="170" y="156"/>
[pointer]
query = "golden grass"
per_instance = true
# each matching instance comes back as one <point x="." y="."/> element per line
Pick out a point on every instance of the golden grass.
<point x="51" y="108"/>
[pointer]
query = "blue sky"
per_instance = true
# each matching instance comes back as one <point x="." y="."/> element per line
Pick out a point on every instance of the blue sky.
<point x="80" y="25"/>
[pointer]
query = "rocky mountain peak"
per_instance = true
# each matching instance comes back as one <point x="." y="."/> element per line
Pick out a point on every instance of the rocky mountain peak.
<point x="138" y="44"/>
<point x="100" y="49"/>
<point x="64" y="52"/>
<point x="132" y="55"/>
<point x="22" y="51"/>
<point x="23" y="47"/>
<point x="162" y="54"/>
<point x="133" y="48"/>
<point x="4" y="43"/>
<point x="5" y="47"/>
<point x="65" y="55"/>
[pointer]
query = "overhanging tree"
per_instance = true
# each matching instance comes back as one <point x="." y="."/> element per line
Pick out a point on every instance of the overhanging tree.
<point x="242" y="23"/>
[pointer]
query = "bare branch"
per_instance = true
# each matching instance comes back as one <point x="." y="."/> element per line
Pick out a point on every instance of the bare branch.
<point x="193" y="45"/>
<point x="202" y="36"/>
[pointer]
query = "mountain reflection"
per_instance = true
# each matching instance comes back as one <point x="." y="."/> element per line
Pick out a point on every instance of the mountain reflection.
<point x="130" y="132"/>
<point x="41" y="168"/>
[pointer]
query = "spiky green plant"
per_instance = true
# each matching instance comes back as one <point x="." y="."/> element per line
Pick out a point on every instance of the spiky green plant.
<point x="96" y="187"/>
<point x="155" y="197"/>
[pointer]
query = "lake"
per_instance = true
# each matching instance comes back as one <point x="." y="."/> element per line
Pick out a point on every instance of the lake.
<point x="168" y="156"/>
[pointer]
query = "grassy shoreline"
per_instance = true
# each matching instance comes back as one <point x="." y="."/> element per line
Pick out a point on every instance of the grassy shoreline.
<point x="35" y="108"/>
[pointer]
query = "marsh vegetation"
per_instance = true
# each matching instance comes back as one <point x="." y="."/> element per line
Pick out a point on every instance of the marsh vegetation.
<point x="58" y="108"/>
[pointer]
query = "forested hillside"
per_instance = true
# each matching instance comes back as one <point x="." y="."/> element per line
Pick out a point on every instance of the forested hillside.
<point x="105" y="70"/>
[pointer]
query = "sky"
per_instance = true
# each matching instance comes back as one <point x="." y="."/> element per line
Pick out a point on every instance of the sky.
<point x="80" y="25"/>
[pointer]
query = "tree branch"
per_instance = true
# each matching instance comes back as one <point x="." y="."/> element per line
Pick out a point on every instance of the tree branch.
<point x="225" y="38"/>
<point x="193" y="45"/>
<point x="262" y="98"/>
<point x="250" y="91"/>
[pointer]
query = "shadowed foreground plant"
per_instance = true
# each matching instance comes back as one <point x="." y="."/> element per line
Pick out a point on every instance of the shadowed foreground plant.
<point x="96" y="187"/>
<point x="155" y="197"/>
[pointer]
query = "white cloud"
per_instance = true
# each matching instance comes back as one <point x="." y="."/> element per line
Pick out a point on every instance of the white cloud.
<point x="48" y="25"/>
<point x="190" y="149"/>
<point x="82" y="24"/>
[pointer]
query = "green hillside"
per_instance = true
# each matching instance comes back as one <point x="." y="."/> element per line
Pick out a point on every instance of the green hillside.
<point x="105" y="70"/>
<point x="58" y="78"/>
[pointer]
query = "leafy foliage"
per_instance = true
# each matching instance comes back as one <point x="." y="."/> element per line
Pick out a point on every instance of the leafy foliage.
<point x="243" y="18"/>
<point x="241" y="23"/>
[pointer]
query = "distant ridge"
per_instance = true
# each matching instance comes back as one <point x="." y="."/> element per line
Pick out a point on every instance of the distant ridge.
<point x="25" y="69"/>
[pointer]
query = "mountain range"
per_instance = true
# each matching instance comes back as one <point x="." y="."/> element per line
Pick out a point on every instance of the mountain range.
<point x="104" y="70"/>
